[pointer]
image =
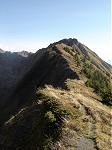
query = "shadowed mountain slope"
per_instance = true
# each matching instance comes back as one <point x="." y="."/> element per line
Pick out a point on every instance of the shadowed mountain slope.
<point x="57" y="103"/>
<point x="13" y="66"/>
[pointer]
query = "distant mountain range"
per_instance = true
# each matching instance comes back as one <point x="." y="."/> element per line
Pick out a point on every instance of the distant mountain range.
<point x="57" y="98"/>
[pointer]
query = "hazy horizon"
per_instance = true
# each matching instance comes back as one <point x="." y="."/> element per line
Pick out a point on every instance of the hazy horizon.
<point x="32" y="25"/>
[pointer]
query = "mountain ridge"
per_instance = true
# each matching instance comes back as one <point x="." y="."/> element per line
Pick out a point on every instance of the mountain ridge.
<point x="57" y="98"/>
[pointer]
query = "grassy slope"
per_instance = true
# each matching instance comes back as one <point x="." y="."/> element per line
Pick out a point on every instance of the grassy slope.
<point x="60" y="119"/>
<point x="85" y="122"/>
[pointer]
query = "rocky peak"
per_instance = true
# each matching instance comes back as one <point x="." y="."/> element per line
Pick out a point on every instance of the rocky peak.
<point x="1" y="51"/>
<point x="69" y="42"/>
<point x="24" y="53"/>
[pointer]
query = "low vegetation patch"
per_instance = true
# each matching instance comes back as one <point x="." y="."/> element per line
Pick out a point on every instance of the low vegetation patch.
<point x="54" y="115"/>
<point x="96" y="79"/>
<point x="99" y="83"/>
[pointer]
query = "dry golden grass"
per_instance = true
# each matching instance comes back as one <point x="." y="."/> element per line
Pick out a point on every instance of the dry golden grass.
<point x="95" y="123"/>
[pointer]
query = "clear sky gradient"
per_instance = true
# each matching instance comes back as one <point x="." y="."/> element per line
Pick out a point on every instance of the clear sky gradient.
<point x="33" y="24"/>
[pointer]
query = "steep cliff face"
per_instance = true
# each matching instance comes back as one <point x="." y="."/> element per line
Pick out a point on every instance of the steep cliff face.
<point x="53" y="106"/>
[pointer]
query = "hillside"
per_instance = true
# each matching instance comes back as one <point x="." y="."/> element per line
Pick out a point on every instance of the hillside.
<point x="13" y="66"/>
<point x="62" y="101"/>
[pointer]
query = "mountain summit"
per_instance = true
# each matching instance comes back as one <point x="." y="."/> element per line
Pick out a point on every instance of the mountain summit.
<point x="61" y="100"/>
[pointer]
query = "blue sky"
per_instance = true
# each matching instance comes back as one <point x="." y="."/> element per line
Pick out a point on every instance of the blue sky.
<point x="33" y="24"/>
